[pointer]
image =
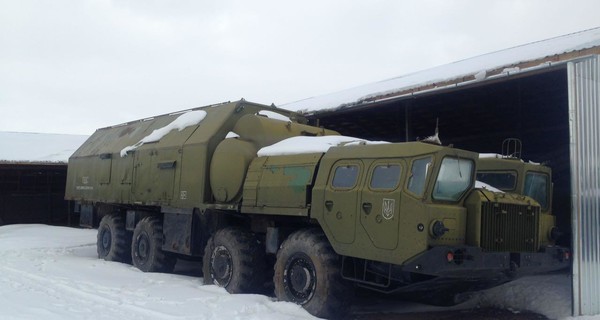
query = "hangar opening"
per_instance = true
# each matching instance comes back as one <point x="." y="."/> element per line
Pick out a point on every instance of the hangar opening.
<point x="33" y="173"/>
<point x="33" y="193"/>
<point x="546" y="93"/>
<point x="532" y="108"/>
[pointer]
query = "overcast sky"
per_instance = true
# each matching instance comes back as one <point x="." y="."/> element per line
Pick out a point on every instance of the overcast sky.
<point x="71" y="66"/>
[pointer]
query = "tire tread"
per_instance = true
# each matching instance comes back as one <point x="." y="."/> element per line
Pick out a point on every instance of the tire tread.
<point x="161" y="261"/>
<point x="120" y="240"/>
<point x="314" y="243"/>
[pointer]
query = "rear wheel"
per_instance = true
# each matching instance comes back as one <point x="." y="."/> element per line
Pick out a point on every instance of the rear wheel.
<point x="113" y="240"/>
<point x="146" y="249"/>
<point x="235" y="260"/>
<point x="307" y="273"/>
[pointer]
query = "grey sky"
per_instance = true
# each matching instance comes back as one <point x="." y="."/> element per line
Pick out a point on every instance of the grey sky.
<point x="71" y="66"/>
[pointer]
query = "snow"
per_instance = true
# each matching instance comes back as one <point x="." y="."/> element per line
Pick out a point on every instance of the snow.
<point x="511" y="70"/>
<point x="302" y="145"/>
<point x="50" y="272"/>
<point x="232" y="134"/>
<point x="274" y="115"/>
<point x="435" y="139"/>
<point x="491" y="156"/>
<point x="54" y="273"/>
<point x="476" y="67"/>
<point x="483" y="185"/>
<point x="499" y="156"/>
<point x="480" y="75"/>
<point x="38" y="147"/>
<point x="185" y="120"/>
<point x="549" y="295"/>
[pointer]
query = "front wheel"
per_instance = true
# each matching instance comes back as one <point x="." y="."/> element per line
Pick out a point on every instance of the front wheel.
<point x="307" y="273"/>
<point x="146" y="249"/>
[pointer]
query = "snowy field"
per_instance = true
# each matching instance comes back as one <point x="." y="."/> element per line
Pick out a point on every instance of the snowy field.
<point x="53" y="273"/>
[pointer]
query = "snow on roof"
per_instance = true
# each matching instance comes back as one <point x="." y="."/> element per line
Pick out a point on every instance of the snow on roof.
<point x="505" y="62"/>
<point x="274" y="115"/>
<point x="24" y="147"/>
<point x="303" y="145"/>
<point x="499" y="156"/>
<point x="187" y="119"/>
<point x="491" y="156"/>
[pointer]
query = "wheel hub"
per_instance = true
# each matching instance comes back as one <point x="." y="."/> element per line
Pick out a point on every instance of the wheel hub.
<point x="143" y="247"/>
<point x="300" y="278"/>
<point x="221" y="266"/>
<point x="106" y="239"/>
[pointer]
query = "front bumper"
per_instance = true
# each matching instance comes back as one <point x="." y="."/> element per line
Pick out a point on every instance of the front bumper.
<point x="472" y="262"/>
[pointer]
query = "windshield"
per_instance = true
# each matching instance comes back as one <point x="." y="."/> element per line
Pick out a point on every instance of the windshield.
<point x="502" y="180"/>
<point x="454" y="179"/>
<point x="418" y="175"/>
<point x="536" y="186"/>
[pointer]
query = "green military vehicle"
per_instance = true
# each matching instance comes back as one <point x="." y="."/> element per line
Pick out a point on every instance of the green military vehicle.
<point x="509" y="173"/>
<point x="258" y="194"/>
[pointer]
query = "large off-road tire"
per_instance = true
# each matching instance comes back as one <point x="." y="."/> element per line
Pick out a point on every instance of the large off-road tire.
<point x="114" y="241"/>
<point x="235" y="260"/>
<point x="146" y="249"/>
<point x="307" y="273"/>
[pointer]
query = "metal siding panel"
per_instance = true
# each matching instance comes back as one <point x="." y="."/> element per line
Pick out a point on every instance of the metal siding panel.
<point x="584" y="118"/>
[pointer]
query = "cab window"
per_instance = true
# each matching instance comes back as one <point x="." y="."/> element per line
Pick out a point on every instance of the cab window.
<point x="454" y="179"/>
<point x="385" y="177"/>
<point x="418" y="175"/>
<point x="536" y="186"/>
<point x="505" y="181"/>
<point x="345" y="177"/>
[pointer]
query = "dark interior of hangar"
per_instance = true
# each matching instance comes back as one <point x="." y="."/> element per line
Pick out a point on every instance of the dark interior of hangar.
<point x="33" y="193"/>
<point x="478" y="117"/>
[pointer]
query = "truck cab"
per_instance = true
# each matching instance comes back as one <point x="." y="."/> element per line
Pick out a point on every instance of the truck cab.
<point x="512" y="174"/>
<point x="509" y="173"/>
<point x="383" y="197"/>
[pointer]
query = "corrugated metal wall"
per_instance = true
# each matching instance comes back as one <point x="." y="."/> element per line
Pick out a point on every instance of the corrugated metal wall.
<point x="584" y="119"/>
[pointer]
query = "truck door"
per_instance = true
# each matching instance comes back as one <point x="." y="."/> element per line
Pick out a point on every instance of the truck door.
<point x="380" y="202"/>
<point x="341" y="198"/>
<point x="155" y="174"/>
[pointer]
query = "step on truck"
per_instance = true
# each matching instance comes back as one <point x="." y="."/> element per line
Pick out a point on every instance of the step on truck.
<point x="270" y="203"/>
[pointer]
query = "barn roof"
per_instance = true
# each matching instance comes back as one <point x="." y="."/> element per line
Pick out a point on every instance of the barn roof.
<point x="38" y="148"/>
<point x="533" y="56"/>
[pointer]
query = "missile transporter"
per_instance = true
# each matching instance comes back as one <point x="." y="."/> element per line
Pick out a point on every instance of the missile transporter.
<point x="268" y="202"/>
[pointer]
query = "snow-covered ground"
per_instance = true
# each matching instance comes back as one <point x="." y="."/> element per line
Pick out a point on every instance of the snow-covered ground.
<point x="54" y="273"/>
<point x="49" y="272"/>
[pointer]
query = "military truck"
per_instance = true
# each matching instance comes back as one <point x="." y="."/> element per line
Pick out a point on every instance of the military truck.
<point x="260" y="196"/>
<point x="510" y="173"/>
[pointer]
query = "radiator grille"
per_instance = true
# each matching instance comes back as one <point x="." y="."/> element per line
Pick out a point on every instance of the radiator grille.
<point x="509" y="227"/>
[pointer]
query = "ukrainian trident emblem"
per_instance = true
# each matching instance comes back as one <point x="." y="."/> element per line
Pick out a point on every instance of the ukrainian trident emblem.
<point x="387" y="208"/>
